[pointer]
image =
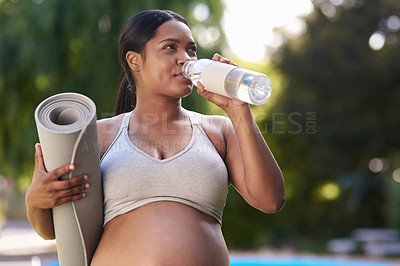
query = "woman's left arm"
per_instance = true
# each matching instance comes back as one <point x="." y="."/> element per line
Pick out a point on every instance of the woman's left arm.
<point x="252" y="168"/>
<point x="251" y="165"/>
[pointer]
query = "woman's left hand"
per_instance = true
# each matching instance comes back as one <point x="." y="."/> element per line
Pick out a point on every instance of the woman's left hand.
<point x="220" y="100"/>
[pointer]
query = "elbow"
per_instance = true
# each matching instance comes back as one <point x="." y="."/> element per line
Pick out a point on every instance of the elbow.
<point x="278" y="205"/>
<point x="45" y="235"/>
<point x="48" y="237"/>
<point x="44" y="232"/>
<point x="270" y="201"/>
<point x="275" y="206"/>
<point x="272" y="206"/>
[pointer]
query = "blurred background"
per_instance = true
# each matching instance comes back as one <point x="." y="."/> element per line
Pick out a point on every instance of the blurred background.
<point x="332" y="122"/>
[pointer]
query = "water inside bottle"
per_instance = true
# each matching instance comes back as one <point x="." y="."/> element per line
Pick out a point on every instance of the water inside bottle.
<point x="192" y="71"/>
<point x="196" y="76"/>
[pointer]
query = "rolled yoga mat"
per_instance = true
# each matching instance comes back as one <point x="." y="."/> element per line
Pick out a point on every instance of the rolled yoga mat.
<point x="66" y="125"/>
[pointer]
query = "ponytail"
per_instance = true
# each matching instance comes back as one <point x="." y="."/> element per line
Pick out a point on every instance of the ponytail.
<point x="126" y="97"/>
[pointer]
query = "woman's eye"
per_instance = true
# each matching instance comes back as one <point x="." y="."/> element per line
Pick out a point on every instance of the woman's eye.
<point x="170" y="47"/>
<point x="192" y="50"/>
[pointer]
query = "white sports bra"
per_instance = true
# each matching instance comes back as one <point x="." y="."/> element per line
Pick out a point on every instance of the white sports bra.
<point x="196" y="176"/>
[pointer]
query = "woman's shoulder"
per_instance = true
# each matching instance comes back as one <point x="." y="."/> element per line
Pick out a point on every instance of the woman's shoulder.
<point x="214" y="123"/>
<point x="107" y="130"/>
<point x="110" y="125"/>
<point x="216" y="128"/>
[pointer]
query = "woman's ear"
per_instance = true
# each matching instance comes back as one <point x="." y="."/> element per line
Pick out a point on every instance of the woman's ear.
<point x="134" y="60"/>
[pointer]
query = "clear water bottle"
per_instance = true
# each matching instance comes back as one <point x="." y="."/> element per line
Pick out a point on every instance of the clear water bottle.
<point x="228" y="80"/>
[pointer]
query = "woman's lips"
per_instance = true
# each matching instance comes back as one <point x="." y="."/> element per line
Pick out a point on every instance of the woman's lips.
<point x="181" y="76"/>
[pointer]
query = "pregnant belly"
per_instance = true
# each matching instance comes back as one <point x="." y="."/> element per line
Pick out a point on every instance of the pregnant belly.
<point x="162" y="233"/>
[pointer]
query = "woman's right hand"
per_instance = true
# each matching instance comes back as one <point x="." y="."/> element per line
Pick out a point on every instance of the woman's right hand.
<point x="47" y="191"/>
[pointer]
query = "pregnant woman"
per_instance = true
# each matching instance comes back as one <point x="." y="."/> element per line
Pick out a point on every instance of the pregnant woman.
<point x="165" y="169"/>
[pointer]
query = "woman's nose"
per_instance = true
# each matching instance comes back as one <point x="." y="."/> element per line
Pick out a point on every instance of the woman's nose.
<point x="184" y="57"/>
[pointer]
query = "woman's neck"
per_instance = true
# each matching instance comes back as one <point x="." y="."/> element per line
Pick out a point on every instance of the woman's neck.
<point x="159" y="108"/>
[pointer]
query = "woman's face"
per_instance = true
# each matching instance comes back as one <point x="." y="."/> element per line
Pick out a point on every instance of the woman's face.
<point x="165" y="53"/>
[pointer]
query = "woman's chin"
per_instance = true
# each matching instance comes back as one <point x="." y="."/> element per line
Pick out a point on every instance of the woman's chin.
<point x="187" y="91"/>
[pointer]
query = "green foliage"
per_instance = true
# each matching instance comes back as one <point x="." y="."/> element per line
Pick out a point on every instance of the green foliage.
<point x="48" y="47"/>
<point x="354" y="92"/>
<point x="337" y="110"/>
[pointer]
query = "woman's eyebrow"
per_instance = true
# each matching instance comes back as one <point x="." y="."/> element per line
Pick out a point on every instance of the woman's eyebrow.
<point x="176" y="40"/>
<point x="170" y="40"/>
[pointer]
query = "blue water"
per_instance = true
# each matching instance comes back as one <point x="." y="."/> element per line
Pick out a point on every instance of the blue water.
<point x="291" y="261"/>
<point x="302" y="261"/>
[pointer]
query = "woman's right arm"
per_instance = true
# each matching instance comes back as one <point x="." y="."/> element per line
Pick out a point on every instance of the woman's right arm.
<point x="47" y="191"/>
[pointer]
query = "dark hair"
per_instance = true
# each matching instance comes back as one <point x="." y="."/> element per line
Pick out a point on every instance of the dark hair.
<point x="135" y="34"/>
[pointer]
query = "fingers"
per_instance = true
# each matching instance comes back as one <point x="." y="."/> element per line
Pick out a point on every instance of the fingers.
<point x="201" y="90"/>
<point x="67" y="199"/>
<point x="218" y="57"/>
<point x="55" y="174"/>
<point x="72" y="189"/>
<point x="211" y="96"/>
<point x="71" y="183"/>
<point x="200" y="87"/>
<point x="60" y="171"/>
<point x="45" y="193"/>
<point x="75" y="192"/>
<point x="39" y="157"/>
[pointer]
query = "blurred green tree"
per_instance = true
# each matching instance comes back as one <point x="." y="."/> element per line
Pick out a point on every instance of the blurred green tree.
<point x="335" y="127"/>
<point x="48" y="47"/>
<point x="340" y="110"/>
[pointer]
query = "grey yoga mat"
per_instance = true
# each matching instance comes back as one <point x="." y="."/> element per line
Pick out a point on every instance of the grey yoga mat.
<point x="66" y="125"/>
